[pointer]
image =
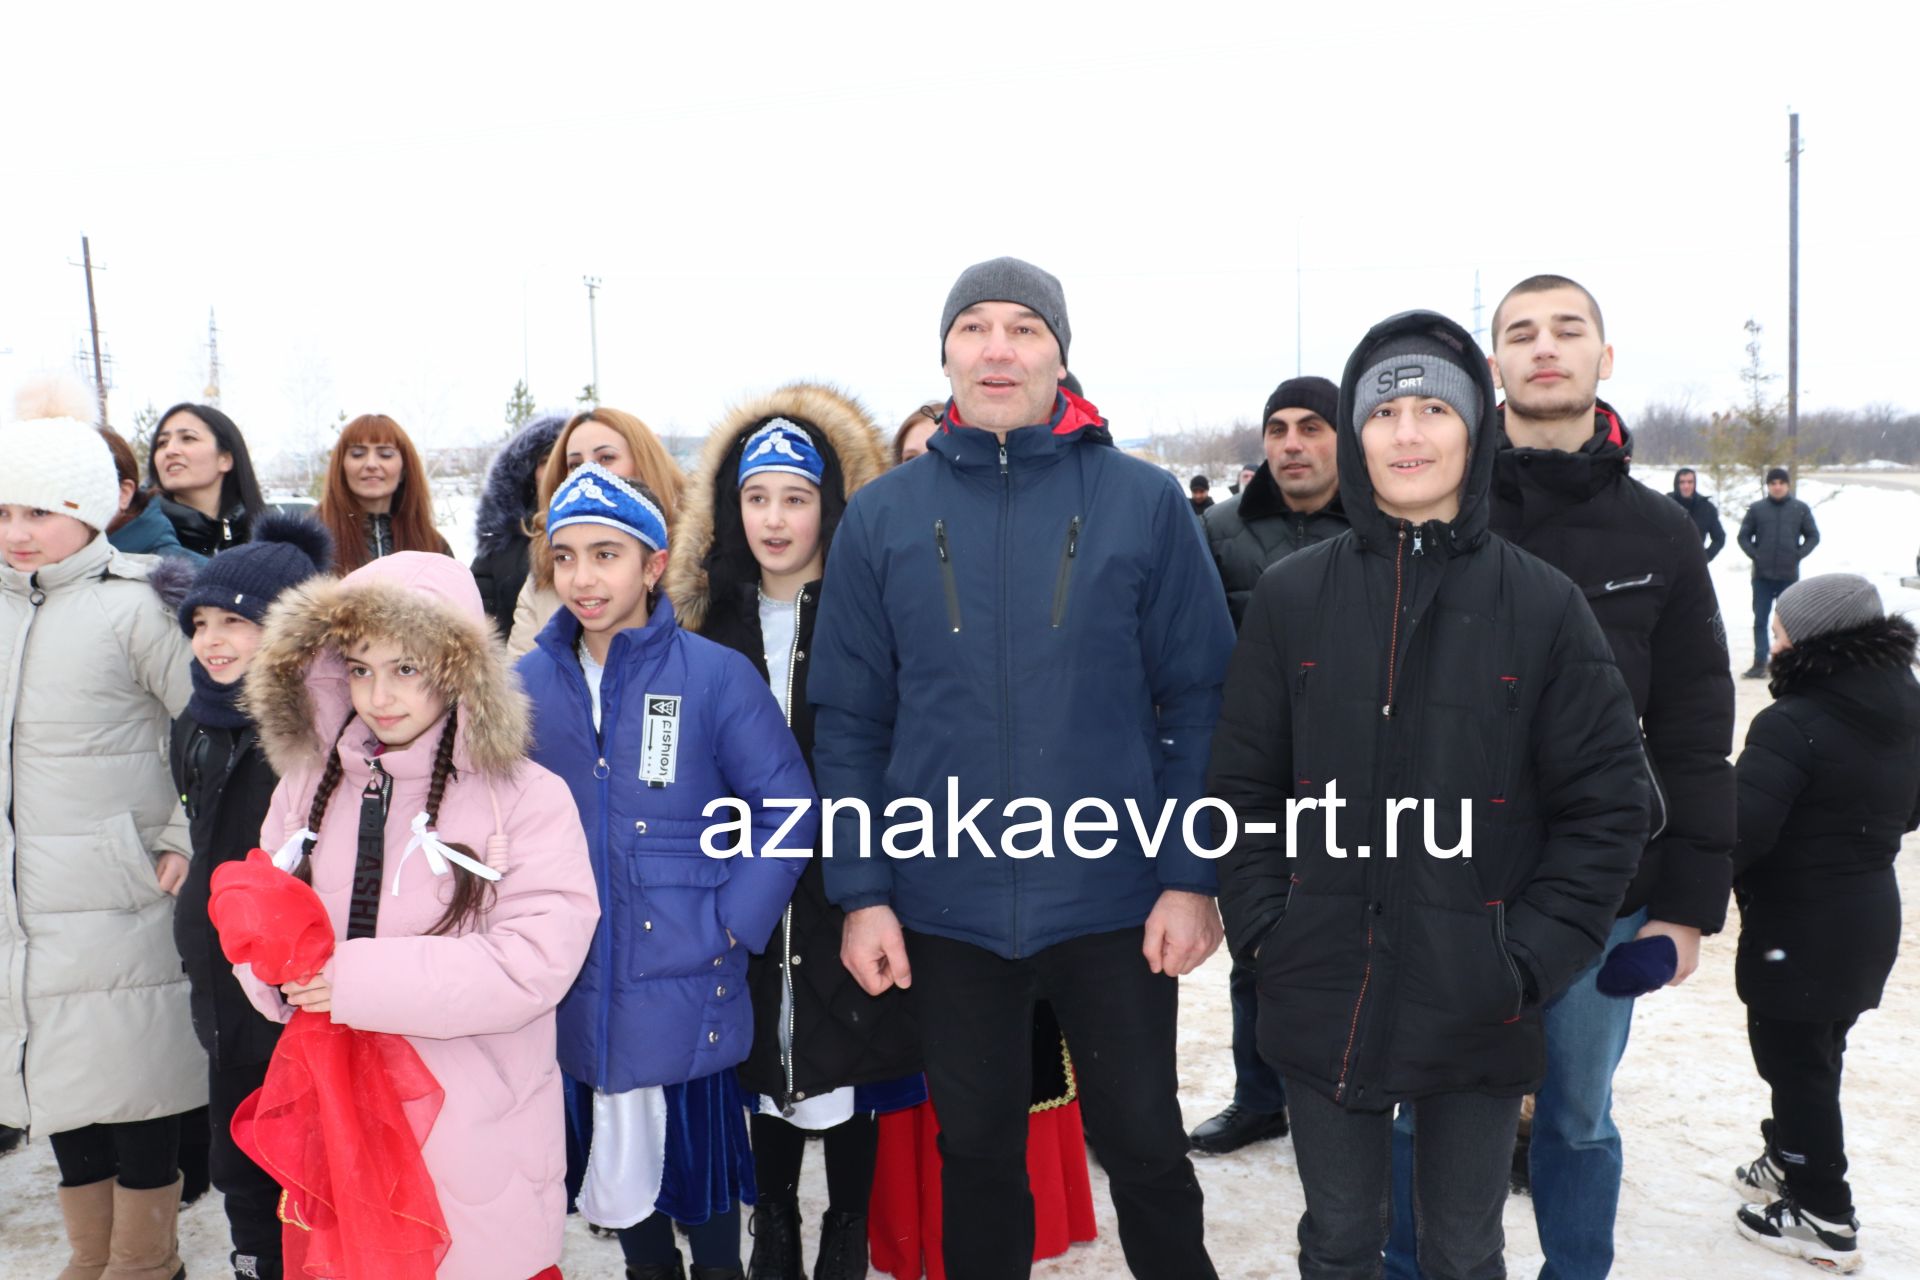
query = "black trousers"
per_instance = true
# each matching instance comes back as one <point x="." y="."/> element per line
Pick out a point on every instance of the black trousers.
<point x="143" y="1154"/>
<point x="1119" y="1019"/>
<point x="253" y="1197"/>
<point x="1801" y="1061"/>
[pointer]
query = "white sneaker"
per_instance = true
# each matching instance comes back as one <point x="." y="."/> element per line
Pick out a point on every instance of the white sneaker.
<point x="1761" y="1182"/>
<point x="1786" y="1228"/>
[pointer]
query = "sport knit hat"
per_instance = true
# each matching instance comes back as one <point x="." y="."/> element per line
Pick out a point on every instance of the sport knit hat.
<point x="1415" y="364"/>
<point x="1830" y="602"/>
<point x="1008" y="280"/>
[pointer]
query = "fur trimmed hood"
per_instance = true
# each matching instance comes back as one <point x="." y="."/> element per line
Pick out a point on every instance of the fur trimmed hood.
<point x="709" y="543"/>
<point x="508" y="497"/>
<point x="1863" y="675"/>
<point x="297" y="689"/>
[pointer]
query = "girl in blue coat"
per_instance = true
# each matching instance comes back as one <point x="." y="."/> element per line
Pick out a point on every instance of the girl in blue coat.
<point x="651" y="726"/>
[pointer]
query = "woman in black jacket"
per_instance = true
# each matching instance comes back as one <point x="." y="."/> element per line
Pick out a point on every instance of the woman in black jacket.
<point x="507" y="503"/>
<point x="1419" y="658"/>
<point x="202" y="475"/>
<point x="225" y="783"/>
<point x="1829" y="783"/>
<point x="748" y="554"/>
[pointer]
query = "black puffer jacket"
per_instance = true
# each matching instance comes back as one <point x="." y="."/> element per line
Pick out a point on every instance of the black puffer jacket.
<point x="1829" y="782"/>
<point x="1777" y="535"/>
<point x="1700" y="509"/>
<point x="1256" y="529"/>
<point x="839" y="1034"/>
<point x="1635" y="556"/>
<point x="500" y="557"/>
<point x="226" y="783"/>
<point x="1432" y="662"/>
<point x="202" y="534"/>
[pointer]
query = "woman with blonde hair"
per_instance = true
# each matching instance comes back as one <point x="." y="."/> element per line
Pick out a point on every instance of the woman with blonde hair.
<point x="376" y="499"/>
<point x="623" y="445"/>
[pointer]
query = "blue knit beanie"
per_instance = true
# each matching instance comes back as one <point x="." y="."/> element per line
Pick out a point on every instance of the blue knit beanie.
<point x="285" y="550"/>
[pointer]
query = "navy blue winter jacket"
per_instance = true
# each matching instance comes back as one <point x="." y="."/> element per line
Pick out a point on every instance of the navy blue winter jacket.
<point x="662" y="998"/>
<point x="1039" y="619"/>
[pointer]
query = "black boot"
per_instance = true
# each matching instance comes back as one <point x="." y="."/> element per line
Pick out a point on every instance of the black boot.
<point x="843" y="1247"/>
<point x="717" y="1273"/>
<point x="1235" y="1128"/>
<point x="675" y="1270"/>
<point x="9" y="1138"/>
<point x="775" y="1228"/>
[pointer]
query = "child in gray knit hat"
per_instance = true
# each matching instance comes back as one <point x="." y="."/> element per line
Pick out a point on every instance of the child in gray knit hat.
<point x="1830" y="602"/>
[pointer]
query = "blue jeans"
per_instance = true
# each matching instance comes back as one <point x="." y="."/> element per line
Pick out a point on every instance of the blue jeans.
<point x="1765" y="592"/>
<point x="1575" y="1159"/>
<point x="1256" y="1086"/>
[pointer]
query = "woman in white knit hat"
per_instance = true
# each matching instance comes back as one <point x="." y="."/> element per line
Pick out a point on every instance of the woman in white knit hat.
<point x="95" y="1038"/>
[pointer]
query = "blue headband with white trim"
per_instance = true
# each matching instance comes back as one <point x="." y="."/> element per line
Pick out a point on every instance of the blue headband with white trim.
<point x="781" y="446"/>
<point x="591" y="494"/>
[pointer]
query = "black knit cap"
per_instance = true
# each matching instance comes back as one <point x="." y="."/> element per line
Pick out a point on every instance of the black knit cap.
<point x="1317" y="394"/>
<point x="285" y="551"/>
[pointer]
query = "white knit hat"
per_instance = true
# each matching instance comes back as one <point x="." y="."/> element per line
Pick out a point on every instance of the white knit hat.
<point x="54" y="458"/>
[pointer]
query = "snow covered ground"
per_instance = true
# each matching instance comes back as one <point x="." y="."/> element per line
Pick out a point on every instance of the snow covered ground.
<point x="1688" y="1102"/>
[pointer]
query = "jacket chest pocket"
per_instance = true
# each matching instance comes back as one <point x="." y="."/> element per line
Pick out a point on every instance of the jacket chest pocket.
<point x="674" y="927"/>
<point x="1627" y="607"/>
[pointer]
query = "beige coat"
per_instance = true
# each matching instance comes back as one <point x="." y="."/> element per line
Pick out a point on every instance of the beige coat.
<point x="93" y="1004"/>
<point x="530" y="613"/>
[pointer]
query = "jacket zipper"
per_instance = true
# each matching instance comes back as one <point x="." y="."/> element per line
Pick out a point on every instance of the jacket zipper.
<point x="1393" y="641"/>
<point x="1067" y="554"/>
<point x="1511" y="684"/>
<point x="604" y="870"/>
<point x="1006" y="661"/>
<point x="1513" y="969"/>
<point x="1659" y="795"/>
<point x="1300" y="682"/>
<point x="786" y="917"/>
<point x="946" y="574"/>
<point x="1353" y="1027"/>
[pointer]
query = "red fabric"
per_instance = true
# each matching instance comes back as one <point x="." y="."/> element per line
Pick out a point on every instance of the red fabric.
<point x="342" y="1116"/>
<point x="903" y="1216"/>
<point x="1079" y="412"/>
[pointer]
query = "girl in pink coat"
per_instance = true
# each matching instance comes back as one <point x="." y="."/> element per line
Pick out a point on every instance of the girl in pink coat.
<point x="454" y="870"/>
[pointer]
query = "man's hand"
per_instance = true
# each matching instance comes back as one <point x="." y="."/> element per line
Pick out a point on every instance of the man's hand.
<point x="170" y="869"/>
<point x="874" y="950"/>
<point x="1686" y="944"/>
<point x="1182" y="931"/>
<point x="315" y="995"/>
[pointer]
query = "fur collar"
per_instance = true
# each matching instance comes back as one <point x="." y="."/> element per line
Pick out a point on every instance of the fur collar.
<point x="1887" y="644"/>
<point x="842" y="428"/>
<point x="296" y="690"/>
<point x="511" y="490"/>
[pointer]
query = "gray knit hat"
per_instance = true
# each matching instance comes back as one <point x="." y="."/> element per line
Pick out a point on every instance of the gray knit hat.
<point x="1416" y="365"/>
<point x="1831" y="602"/>
<point x="1009" y="280"/>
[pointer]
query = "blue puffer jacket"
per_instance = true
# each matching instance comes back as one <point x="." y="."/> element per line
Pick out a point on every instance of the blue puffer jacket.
<point x="1035" y="620"/>
<point x="663" y="998"/>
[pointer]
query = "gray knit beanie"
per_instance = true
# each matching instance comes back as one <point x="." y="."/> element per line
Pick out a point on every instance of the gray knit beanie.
<point x="1414" y="364"/>
<point x="1009" y="280"/>
<point x="1831" y="602"/>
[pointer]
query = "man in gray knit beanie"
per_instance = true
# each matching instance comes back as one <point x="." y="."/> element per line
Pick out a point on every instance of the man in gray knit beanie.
<point x="1009" y="280"/>
<point x="1830" y="602"/>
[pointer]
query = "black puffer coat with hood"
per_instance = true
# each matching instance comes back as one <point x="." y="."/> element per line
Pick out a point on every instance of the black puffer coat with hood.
<point x="1432" y="662"/>
<point x="839" y="1035"/>
<point x="500" y="526"/>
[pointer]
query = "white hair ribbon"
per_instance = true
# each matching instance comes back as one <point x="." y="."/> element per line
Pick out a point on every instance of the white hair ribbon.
<point x="439" y="854"/>
<point x="288" y="856"/>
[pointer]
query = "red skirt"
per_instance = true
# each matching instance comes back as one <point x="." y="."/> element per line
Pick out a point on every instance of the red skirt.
<point x="903" y="1217"/>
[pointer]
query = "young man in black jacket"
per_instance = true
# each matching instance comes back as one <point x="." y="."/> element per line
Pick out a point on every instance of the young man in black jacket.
<point x="1416" y="658"/>
<point x="1777" y="534"/>
<point x="1291" y="501"/>
<point x="1700" y="509"/>
<point x="1562" y="491"/>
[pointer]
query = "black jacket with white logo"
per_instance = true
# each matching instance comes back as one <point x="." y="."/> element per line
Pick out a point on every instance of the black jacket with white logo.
<point x="1636" y="557"/>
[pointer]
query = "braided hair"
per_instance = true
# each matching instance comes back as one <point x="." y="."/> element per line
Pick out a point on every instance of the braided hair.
<point x="472" y="895"/>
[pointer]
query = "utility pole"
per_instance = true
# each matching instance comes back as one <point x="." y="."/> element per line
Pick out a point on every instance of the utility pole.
<point x="93" y="326"/>
<point x="1793" y="296"/>
<point x="212" y="392"/>
<point x="1299" y="277"/>
<point x="1479" y="329"/>
<point x="593" y="330"/>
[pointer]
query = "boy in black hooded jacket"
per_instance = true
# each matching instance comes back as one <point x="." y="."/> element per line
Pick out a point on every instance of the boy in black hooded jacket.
<point x="1418" y="657"/>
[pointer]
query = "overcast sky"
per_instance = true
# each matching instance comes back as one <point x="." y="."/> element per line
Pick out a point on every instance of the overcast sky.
<point x="393" y="211"/>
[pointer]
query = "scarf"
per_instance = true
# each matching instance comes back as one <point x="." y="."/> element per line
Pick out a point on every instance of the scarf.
<point x="214" y="704"/>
